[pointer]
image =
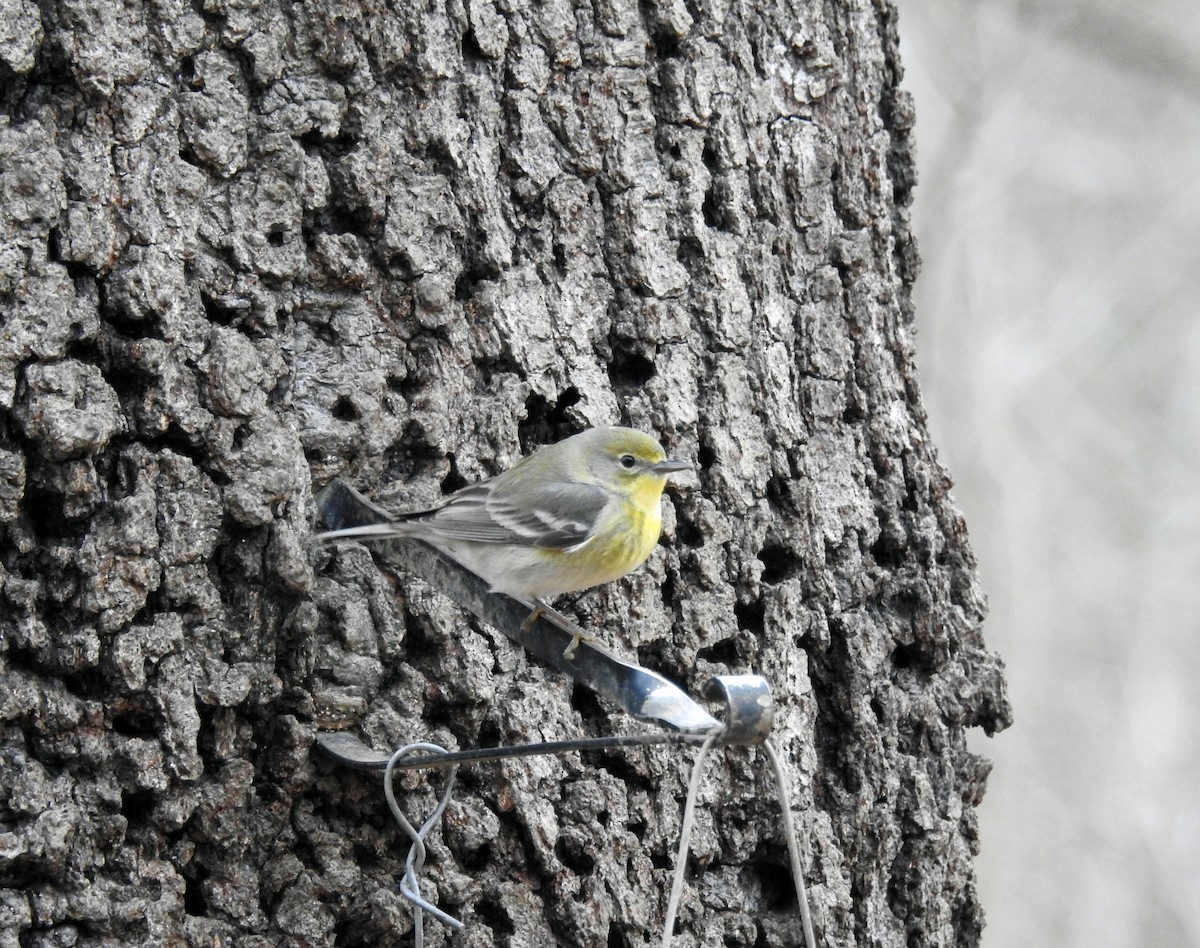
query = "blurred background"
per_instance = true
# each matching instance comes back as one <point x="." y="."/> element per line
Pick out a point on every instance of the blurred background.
<point x="1058" y="217"/>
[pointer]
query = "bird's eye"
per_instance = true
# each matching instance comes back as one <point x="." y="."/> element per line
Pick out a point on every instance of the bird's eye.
<point x="628" y="461"/>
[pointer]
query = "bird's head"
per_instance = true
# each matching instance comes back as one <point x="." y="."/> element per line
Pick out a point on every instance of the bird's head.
<point x="632" y="459"/>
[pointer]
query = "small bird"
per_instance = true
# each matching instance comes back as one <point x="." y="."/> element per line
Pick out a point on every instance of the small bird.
<point x="572" y="515"/>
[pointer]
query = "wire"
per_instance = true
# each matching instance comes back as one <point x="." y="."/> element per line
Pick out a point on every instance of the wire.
<point x="410" y="886"/>
<point x="789" y="832"/>
<point x="793" y="843"/>
<point x="685" y="839"/>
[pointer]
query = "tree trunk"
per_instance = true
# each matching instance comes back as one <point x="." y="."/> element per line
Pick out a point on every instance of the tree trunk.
<point x="251" y="246"/>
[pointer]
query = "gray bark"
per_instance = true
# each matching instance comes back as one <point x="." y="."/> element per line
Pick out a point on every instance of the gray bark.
<point x="247" y="247"/>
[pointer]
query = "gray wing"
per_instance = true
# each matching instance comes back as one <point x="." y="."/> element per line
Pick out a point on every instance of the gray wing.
<point x="556" y="517"/>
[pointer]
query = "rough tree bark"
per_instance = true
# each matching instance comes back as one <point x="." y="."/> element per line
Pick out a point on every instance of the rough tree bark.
<point x="250" y="245"/>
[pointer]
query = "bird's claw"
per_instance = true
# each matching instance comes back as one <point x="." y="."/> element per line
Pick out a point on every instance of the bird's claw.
<point x="576" y="640"/>
<point x="579" y="636"/>
<point x="532" y="618"/>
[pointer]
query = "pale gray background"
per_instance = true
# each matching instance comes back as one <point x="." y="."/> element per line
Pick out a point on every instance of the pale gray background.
<point x="1058" y="215"/>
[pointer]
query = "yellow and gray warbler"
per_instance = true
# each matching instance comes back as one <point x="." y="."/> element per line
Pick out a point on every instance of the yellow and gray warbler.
<point x="572" y="515"/>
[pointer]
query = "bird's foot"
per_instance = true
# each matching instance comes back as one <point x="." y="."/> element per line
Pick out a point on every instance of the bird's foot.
<point x="576" y="640"/>
<point x="538" y="610"/>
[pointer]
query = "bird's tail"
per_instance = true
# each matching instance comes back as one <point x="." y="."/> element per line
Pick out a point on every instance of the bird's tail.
<point x="369" y="531"/>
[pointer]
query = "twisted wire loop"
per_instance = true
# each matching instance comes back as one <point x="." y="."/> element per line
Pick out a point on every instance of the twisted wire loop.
<point x="789" y="832"/>
<point x="410" y="886"/>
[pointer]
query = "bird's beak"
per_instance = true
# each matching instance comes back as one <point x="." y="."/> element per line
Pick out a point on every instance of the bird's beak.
<point x="670" y="465"/>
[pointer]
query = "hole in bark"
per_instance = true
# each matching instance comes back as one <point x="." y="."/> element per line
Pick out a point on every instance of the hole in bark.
<point x="779" y="563"/>
<point x="666" y="45"/>
<point x="194" y="902"/>
<point x="888" y="551"/>
<point x="340" y="220"/>
<point x="711" y="209"/>
<point x="908" y="603"/>
<point x="87" y="684"/>
<point x="630" y="368"/>
<point x="667" y="591"/>
<point x="316" y="140"/>
<point x="187" y="156"/>
<point x="585" y="703"/>
<point x="489" y="734"/>
<point x="574" y="858"/>
<point x="44" y="512"/>
<point x="656" y="656"/>
<point x="780" y="496"/>
<point x="616" y="938"/>
<point x="187" y="69"/>
<point x="471" y="52"/>
<point x="545" y="423"/>
<point x="911" y="655"/>
<point x="475" y="270"/>
<point x="410" y="387"/>
<point x="344" y="410"/>
<point x="724" y="652"/>
<point x="419" y="645"/>
<point x="453" y="480"/>
<point x="476" y="860"/>
<point x="498" y="366"/>
<point x="687" y="534"/>
<point x="750" y="616"/>
<point x="136" y="804"/>
<point x="494" y="917"/>
<point x="135" y="723"/>
<point x="775" y="876"/>
<point x="54" y="251"/>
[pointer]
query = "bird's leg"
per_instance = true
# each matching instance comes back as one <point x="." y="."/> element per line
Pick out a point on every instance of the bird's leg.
<point x="539" y="608"/>
<point x="577" y="634"/>
<point x="576" y="639"/>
